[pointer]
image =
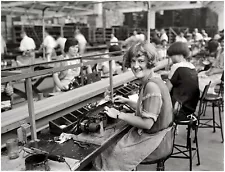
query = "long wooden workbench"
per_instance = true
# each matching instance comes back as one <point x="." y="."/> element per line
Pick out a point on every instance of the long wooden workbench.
<point x="56" y="106"/>
<point x="76" y="156"/>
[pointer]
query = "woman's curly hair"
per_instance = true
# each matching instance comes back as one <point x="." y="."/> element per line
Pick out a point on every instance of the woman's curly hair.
<point x="139" y="49"/>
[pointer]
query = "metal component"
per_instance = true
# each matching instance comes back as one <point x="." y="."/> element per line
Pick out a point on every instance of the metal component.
<point x="88" y="125"/>
<point x="57" y="158"/>
<point x="82" y="145"/>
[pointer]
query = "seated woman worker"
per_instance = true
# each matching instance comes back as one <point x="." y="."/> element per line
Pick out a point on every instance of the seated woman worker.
<point x="63" y="78"/>
<point x="104" y="66"/>
<point x="150" y="123"/>
<point x="182" y="80"/>
<point x="214" y="73"/>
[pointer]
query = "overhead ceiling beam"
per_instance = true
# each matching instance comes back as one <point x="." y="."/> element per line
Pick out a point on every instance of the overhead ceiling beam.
<point x="85" y="13"/>
<point x="69" y="7"/>
<point x="32" y="6"/>
<point x="178" y="7"/>
<point x="77" y="8"/>
<point x="169" y="7"/>
<point x="133" y="9"/>
<point x="61" y="8"/>
<point x="17" y="3"/>
<point x="56" y="15"/>
<point x="76" y="2"/>
<point x="48" y="14"/>
<point x="32" y="12"/>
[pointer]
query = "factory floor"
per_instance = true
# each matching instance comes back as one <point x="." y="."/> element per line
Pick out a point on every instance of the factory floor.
<point x="210" y="147"/>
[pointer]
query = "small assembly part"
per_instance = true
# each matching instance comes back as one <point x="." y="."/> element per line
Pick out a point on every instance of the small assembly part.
<point x="82" y="145"/>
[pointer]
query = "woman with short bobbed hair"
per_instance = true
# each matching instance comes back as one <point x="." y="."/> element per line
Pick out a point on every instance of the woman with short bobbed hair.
<point x="179" y="48"/>
<point x="151" y="123"/>
<point x="182" y="80"/>
<point x="63" y="78"/>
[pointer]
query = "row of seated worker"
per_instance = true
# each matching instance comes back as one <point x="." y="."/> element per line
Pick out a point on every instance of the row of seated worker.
<point x="152" y="121"/>
<point x="69" y="48"/>
<point x="196" y="47"/>
<point x="62" y="79"/>
<point x="213" y="63"/>
<point x="50" y="46"/>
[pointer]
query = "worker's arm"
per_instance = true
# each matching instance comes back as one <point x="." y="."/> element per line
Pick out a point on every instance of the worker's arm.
<point x="214" y="71"/>
<point x="77" y="71"/>
<point x="169" y="85"/>
<point x="162" y="64"/>
<point x="121" y="99"/>
<point x="58" y="82"/>
<point x="151" y="107"/>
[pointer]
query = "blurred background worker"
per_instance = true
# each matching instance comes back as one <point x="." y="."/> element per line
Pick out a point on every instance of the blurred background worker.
<point x="204" y="34"/>
<point x="49" y="44"/>
<point x="3" y="48"/>
<point x="60" y="42"/>
<point x="82" y="41"/>
<point x="180" y="37"/>
<point x="27" y="46"/>
<point x="103" y="67"/>
<point x="163" y="35"/>
<point x="113" y="40"/>
<point x="133" y="39"/>
<point x="197" y="36"/>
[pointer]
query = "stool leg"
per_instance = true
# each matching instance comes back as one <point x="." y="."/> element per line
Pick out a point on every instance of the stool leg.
<point x="160" y="166"/>
<point x="188" y="133"/>
<point x="221" y="124"/>
<point x="222" y="104"/>
<point x="189" y="146"/>
<point x="196" y="142"/>
<point x="213" y="111"/>
<point x="135" y="169"/>
<point x="204" y="108"/>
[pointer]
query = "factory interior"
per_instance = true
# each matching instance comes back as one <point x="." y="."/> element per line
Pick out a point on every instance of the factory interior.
<point x="112" y="85"/>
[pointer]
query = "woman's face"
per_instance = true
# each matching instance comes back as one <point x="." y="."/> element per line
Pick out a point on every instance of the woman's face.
<point x="139" y="66"/>
<point x="73" y="50"/>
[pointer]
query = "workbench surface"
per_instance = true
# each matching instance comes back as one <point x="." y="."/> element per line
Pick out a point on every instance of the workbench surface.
<point x="76" y="156"/>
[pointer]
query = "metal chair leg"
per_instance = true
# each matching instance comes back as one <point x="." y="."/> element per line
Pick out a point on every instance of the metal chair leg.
<point x="221" y="124"/>
<point x="213" y="111"/>
<point x="160" y="166"/>
<point x="196" y="142"/>
<point x="190" y="148"/>
<point x="204" y="108"/>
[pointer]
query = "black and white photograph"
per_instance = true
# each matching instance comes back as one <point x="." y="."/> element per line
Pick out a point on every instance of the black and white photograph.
<point x="112" y="85"/>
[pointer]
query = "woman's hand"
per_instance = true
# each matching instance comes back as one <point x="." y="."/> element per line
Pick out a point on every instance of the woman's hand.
<point x="62" y="87"/>
<point x="111" y="112"/>
<point x="120" y="99"/>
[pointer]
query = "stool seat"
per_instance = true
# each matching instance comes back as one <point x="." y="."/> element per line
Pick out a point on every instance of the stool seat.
<point x="182" y="150"/>
<point x="162" y="152"/>
<point x="190" y="121"/>
<point x="155" y="161"/>
<point x="216" y="101"/>
<point x="212" y="97"/>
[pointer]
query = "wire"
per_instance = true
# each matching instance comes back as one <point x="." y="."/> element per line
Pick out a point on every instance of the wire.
<point x="68" y="165"/>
